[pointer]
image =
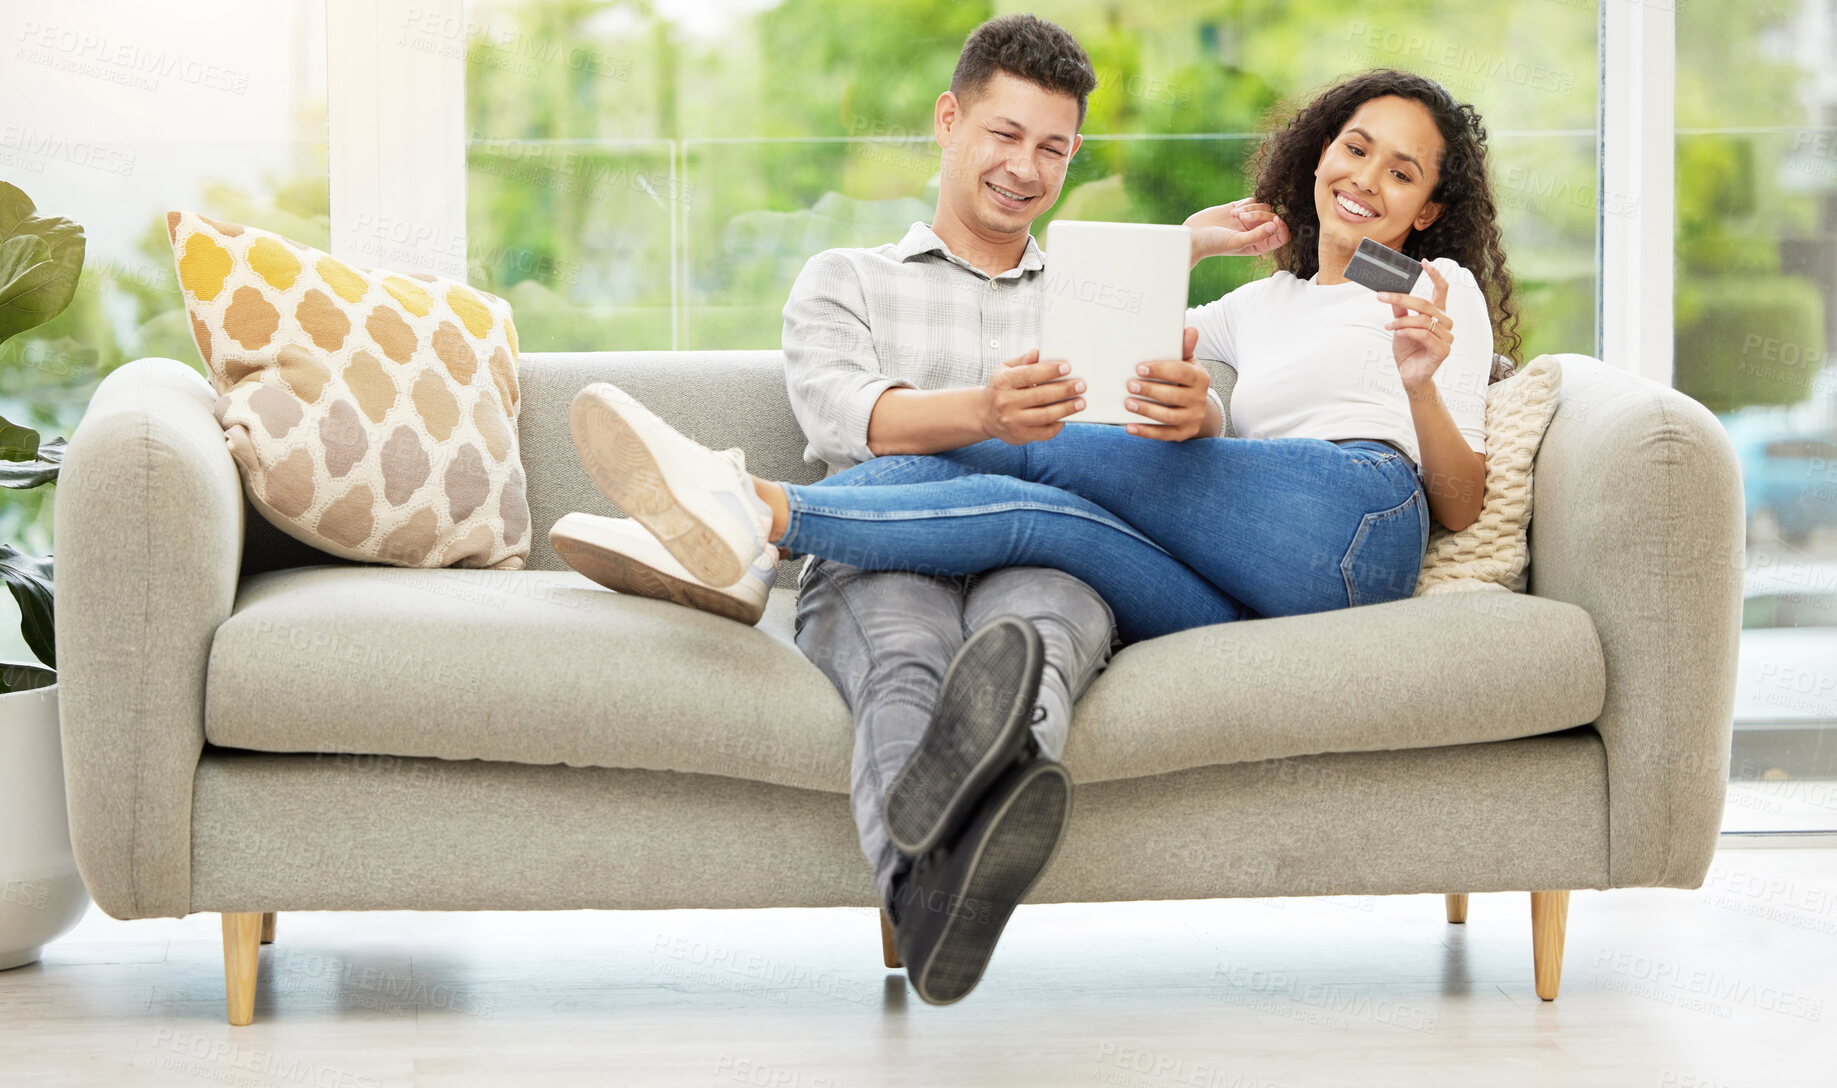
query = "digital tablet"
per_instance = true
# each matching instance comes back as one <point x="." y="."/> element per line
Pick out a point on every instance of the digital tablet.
<point x="1115" y="296"/>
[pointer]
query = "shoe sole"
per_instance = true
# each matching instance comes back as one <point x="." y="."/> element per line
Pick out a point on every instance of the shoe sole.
<point x="973" y="735"/>
<point x="615" y="570"/>
<point x="622" y="466"/>
<point x="1021" y="841"/>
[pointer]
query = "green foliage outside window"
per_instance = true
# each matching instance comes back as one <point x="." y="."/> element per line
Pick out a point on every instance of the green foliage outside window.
<point x="809" y="126"/>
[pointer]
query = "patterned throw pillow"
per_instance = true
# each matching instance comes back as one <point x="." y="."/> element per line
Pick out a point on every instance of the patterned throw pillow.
<point x="373" y="415"/>
<point x="1494" y="551"/>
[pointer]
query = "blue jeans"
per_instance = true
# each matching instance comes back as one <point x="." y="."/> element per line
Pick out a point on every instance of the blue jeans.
<point x="1172" y="535"/>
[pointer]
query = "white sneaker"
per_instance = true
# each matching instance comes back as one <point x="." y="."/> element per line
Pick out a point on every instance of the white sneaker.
<point x="698" y="503"/>
<point x="620" y="554"/>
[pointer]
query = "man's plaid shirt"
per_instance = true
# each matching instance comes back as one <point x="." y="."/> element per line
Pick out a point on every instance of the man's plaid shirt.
<point x="912" y="315"/>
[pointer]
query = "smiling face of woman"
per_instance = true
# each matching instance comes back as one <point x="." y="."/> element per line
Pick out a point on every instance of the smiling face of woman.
<point x="1375" y="178"/>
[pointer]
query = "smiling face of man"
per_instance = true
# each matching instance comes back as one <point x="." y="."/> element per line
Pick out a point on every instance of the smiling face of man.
<point x="1375" y="178"/>
<point x="1006" y="149"/>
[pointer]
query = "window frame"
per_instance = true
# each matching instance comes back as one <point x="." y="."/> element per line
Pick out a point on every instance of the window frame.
<point x="395" y="88"/>
<point x="1636" y="201"/>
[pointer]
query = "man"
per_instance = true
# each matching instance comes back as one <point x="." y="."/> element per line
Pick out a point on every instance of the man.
<point x="919" y="347"/>
<point x="961" y="688"/>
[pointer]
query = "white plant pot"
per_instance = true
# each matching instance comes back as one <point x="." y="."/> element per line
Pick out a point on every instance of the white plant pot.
<point x="41" y="894"/>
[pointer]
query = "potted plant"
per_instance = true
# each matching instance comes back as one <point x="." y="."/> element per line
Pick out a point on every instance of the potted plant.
<point x="41" y="893"/>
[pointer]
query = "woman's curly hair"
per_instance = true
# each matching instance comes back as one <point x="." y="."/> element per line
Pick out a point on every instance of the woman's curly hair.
<point x="1467" y="229"/>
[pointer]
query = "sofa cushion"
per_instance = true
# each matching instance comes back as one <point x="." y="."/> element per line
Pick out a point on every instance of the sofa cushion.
<point x="544" y="667"/>
<point x="373" y="415"/>
<point x="1492" y="552"/>
<point x="522" y="666"/>
<point x="1422" y="672"/>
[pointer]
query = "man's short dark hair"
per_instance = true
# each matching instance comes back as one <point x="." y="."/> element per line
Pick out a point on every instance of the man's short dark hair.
<point x="1028" y="48"/>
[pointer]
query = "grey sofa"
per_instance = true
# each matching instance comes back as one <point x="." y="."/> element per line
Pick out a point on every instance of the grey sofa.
<point x="251" y="726"/>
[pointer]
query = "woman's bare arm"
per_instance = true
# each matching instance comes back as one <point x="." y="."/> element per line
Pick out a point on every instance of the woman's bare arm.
<point x="1453" y="472"/>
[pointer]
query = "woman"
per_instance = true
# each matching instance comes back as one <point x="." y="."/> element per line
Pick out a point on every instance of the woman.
<point x="1346" y="402"/>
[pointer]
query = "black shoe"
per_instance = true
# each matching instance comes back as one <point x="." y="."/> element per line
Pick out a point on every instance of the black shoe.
<point x="979" y="729"/>
<point x="949" y="909"/>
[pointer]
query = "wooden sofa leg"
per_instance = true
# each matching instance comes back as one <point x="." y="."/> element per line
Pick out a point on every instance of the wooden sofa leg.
<point x="268" y="927"/>
<point x="1549" y="916"/>
<point x="241" y="944"/>
<point x="888" y="954"/>
<point x="1457" y="908"/>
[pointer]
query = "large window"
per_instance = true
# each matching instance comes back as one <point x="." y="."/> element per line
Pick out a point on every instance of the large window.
<point x="1756" y="316"/>
<point x="656" y="180"/>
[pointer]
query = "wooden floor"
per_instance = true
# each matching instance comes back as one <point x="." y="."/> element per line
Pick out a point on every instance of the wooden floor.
<point x="1733" y="986"/>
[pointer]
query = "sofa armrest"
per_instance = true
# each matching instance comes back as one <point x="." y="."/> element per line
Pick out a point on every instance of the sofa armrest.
<point x="1637" y="518"/>
<point x="149" y="525"/>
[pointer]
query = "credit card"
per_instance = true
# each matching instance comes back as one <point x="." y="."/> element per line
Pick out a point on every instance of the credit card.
<point x="1382" y="268"/>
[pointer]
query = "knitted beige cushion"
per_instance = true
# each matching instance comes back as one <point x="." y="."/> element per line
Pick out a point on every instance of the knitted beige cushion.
<point x="1493" y="552"/>
<point x="372" y="415"/>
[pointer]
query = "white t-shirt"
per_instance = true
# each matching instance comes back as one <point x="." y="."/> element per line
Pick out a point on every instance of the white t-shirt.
<point x="1315" y="361"/>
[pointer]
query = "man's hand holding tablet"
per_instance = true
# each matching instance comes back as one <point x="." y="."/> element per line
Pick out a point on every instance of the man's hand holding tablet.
<point x="1027" y="400"/>
<point x="1036" y="412"/>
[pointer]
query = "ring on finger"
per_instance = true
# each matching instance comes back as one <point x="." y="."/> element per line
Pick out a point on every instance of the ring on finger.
<point x="1435" y="324"/>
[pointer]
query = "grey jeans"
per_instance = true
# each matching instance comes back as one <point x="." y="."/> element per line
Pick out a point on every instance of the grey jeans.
<point x="884" y="638"/>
